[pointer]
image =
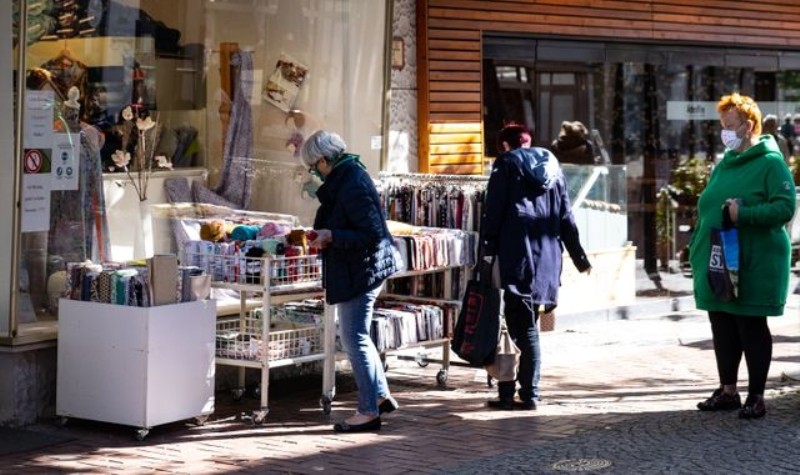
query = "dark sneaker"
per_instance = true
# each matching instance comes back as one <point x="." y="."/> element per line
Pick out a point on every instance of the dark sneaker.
<point x="719" y="401"/>
<point x="754" y="407"/>
<point x="501" y="404"/>
<point x="525" y="405"/>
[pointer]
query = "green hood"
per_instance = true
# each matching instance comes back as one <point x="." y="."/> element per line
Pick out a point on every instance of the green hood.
<point x="766" y="146"/>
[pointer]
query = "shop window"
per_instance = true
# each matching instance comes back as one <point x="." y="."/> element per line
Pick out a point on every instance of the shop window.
<point x="132" y="104"/>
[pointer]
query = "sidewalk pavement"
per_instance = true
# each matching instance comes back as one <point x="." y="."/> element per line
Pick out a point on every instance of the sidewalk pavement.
<point x="619" y="397"/>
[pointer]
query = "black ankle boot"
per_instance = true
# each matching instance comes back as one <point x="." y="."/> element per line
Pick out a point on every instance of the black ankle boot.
<point x="501" y="404"/>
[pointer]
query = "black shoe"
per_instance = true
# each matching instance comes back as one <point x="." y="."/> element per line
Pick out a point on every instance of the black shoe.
<point x="374" y="424"/>
<point x="525" y="405"/>
<point x="501" y="404"/>
<point x="719" y="401"/>
<point x="388" y="405"/>
<point x="754" y="407"/>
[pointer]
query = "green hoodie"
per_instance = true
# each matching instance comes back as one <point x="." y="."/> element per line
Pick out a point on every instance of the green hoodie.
<point x="760" y="178"/>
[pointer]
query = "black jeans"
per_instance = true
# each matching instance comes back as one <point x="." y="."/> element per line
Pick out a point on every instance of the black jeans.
<point x="522" y="317"/>
<point x="737" y="334"/>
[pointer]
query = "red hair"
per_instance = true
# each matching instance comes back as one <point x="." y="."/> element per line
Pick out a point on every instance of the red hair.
<point x="515" y="135"/>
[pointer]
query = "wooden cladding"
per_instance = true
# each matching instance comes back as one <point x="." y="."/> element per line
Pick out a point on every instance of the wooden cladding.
<point x="449" y="46"/>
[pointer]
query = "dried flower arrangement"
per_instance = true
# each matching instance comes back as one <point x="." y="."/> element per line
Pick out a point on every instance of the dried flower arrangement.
<point x="139" y="135"/>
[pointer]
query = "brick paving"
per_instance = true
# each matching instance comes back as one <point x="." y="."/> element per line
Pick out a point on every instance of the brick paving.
<point x="619" y="397"/>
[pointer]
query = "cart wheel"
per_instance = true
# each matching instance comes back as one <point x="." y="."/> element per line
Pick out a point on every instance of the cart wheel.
<point x="141" y="434"/>
<point x="201" y="420"/>
<point x="422" y="359"/>
<point x="238" y="394"/>
<point x="259" y="416"/>
<point x="326" y="404"/>
<point x="489" y="381"/>
<point x="441" y="378"/>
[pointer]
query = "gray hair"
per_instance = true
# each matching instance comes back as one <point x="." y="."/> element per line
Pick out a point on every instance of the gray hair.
<point x="770" y="122"/>
<point x="321" y="145"/>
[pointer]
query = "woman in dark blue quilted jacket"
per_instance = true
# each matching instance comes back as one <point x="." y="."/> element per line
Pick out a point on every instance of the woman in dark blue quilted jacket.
<point x="358" y="255"/>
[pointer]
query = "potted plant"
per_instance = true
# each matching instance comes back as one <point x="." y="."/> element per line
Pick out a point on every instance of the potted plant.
<point x="677" y="201"/>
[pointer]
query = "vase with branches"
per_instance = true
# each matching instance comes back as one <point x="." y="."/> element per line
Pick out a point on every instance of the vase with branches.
<point x="139" y="136"/>
<point x="139" y="133"/>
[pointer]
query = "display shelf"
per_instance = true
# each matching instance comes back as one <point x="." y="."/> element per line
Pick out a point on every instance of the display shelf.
<point x="136" y="366"/>
<point x="240" y="341"/>
<point x="422" y="360"/>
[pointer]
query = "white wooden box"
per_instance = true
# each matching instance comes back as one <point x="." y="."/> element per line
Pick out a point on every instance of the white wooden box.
<point x="136" y="366"/>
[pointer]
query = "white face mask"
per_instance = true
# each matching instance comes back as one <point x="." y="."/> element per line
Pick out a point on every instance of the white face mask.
<point x="730" y="139"/>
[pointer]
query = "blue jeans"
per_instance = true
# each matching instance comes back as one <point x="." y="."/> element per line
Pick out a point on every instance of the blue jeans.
<point x="355" y="317"/>
<point x="521" y="318"/>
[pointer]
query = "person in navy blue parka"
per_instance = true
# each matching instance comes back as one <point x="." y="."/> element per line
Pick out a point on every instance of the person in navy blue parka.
<point x="526" y="224"/>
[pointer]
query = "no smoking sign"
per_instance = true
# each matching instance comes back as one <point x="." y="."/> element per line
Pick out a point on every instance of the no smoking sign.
<point x="36" y="160"/>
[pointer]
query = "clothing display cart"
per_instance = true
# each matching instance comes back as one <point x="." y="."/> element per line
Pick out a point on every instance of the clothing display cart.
<point x="135" y="366"/>
<point x="253" y="339"/>
<point x="448" y="299"/>
<point x="441" y="201"/>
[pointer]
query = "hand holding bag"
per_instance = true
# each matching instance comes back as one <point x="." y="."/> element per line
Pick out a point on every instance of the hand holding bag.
<point x="506" y="358"/>
<point x="475" y="334"/>
<point x="723" y="262"/>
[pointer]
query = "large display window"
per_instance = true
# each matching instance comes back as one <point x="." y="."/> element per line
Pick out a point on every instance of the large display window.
<point x="127" y="105"/>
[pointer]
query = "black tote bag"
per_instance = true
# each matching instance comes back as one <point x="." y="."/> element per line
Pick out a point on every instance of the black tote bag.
<point x="478" y="326"/>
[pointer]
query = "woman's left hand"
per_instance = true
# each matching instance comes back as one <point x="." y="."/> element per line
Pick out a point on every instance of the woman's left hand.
<point x="324" y="237"/>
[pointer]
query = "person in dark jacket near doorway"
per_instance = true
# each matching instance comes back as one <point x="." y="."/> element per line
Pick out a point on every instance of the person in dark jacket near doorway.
<point x="526" y="224"/>
<point x="358" y="255"/>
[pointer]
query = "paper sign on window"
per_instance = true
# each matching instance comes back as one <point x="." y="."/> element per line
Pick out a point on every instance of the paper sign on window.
<point x="284" y="83"/>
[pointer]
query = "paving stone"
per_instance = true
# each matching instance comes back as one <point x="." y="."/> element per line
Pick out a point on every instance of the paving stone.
<point x="621" y="393"/>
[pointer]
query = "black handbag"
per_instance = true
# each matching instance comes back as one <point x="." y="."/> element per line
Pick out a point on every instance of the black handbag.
<point x="476" y="332"/>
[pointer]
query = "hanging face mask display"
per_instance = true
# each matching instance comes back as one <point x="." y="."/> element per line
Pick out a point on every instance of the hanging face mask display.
<point x="314" y="172"/>
<point x="730" y="139"/>
<point x="318" y="174"/>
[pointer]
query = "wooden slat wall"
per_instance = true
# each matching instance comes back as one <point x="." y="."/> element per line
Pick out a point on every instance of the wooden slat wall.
<point x="449" y="36"/>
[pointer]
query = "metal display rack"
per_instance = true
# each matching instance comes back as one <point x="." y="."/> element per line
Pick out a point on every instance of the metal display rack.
<point x="251" y="339"/>
<point x="421" y="358"/>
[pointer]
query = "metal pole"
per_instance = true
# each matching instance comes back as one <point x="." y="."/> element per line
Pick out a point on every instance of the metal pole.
<point x="15" y="168"/>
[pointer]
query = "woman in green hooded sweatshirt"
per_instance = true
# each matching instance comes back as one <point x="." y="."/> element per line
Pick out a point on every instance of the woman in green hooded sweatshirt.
<point x="754" y="183"/>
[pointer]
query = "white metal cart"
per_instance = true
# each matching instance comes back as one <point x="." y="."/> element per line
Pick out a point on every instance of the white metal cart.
<point x="251" y="339"/>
